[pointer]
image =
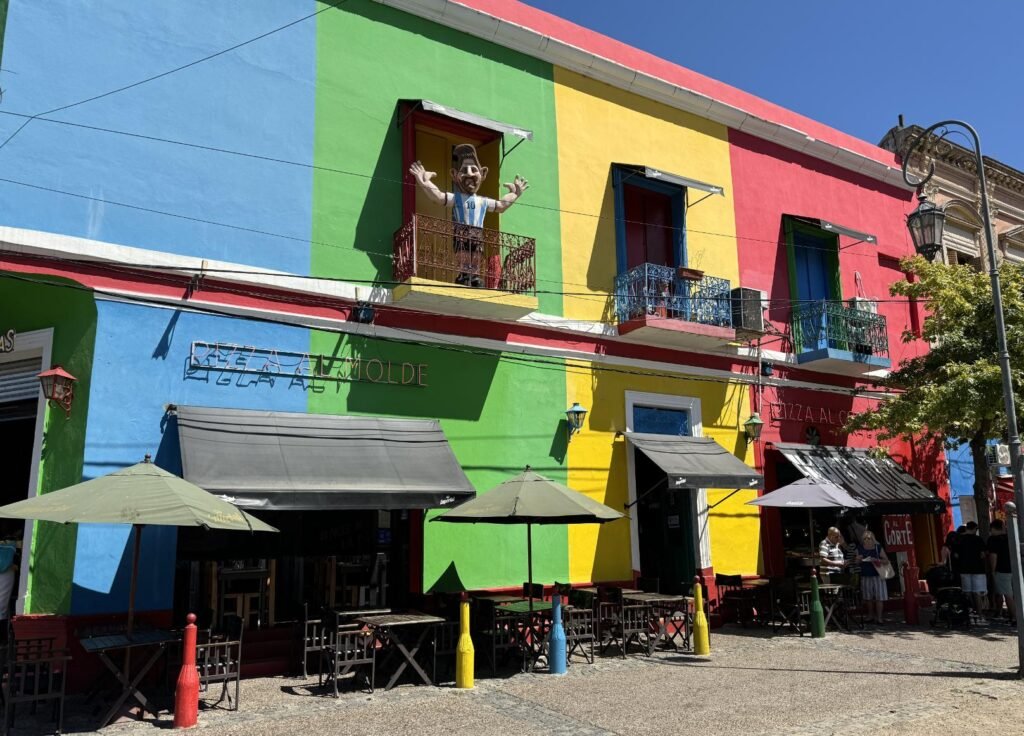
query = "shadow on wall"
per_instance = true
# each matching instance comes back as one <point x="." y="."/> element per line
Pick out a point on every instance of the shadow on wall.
<point x="381" y="213"/>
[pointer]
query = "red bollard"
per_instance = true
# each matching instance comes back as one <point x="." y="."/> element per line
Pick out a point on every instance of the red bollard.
<point x="186" y="693"/>
<point x="910" y="587"/>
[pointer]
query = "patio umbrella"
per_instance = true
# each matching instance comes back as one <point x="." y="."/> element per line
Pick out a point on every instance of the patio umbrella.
<point x="530" y="498"/>
<point x="138" y="495"/>
<point x="809" y="494"/>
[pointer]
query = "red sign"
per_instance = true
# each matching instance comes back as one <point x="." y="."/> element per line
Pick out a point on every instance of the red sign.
<point x="899" y="532"/>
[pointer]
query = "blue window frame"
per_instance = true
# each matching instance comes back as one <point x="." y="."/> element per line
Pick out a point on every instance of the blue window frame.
<point x="623" y="177"/>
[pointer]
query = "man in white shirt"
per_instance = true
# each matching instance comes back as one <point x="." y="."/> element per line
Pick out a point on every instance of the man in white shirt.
<point x="468" y="207"/>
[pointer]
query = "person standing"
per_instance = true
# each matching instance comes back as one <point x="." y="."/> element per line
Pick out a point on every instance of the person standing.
<point x="973" y="557"/>
<point x="999" y="563"/>
<point x="832" y="554"/>
<point x="872" y="585"/>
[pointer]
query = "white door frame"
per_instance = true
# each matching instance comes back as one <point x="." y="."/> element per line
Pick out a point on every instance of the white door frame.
<point x="698" y="499"/>
<point x="28" y="345"/>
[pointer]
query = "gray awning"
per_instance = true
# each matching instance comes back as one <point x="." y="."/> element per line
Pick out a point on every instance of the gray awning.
<point x="473" y="119"/>
<point x="695" y="462"/>
<point x="832" y="227"/>
<point x="877" y="482"/>
<point x="681" y="181"/>
<point x="281" y="461"/>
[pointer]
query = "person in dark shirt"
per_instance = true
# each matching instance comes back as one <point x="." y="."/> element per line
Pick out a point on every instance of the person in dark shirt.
<point x="973" y="556"/>
<point x="999" y="563"/>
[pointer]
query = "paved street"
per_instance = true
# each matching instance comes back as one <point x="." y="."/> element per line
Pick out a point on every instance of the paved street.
<point x="889" y="681"/>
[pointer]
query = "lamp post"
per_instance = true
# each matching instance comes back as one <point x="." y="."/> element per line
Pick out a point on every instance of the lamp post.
<point x="926" y="224"/>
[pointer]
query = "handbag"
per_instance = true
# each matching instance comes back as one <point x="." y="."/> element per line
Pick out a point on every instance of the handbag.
<point x="884" y="568"/>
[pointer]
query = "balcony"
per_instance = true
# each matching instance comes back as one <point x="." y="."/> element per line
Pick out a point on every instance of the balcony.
<point x="834" y="337"/>
<point x="656" y="306"/>
<point x="445" y="267"/>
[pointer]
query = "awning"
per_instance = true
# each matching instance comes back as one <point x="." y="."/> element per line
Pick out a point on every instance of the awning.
<point x="880" y="483"/>
<point x="472" y="118"/>
<point x="695" y="462"/>
<point x="682" y="181"/>
<point x="281" y="461"/>
<point x="832" y="227"/>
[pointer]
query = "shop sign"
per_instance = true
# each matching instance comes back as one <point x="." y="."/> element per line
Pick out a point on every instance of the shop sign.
<point x="899" y="532"/>
<point x="792" y="412"/>
<point x="269" y="364"/>
<point x="7" y="341"/>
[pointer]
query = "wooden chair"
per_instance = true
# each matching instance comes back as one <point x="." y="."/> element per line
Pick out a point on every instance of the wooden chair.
<point x="220" y="662"/>
<point x="350" y="650"/>
<point x="445" y="646"/>
<point x="497" y="631"/>
<point x="649" y="585"/>
<point x="534" y="591"/>
<point x="34" y="672"/>
<point x="580" y="632"/>
<point x="312" y="639"/>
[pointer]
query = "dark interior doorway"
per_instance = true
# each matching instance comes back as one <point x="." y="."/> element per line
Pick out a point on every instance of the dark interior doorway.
<point x="17" y="435"/>
<point x="665" y="524"/>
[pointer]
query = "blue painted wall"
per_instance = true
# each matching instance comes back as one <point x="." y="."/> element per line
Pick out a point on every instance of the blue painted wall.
<point x="961" y="478"/>
<point x="258" y="99"/>
<point x="139" y="366"/>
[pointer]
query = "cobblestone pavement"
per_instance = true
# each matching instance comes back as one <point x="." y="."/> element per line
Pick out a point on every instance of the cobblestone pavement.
<point x="881" y="681"/>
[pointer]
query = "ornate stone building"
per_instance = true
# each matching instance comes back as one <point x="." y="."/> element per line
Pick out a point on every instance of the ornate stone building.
<point x="956" y="186"/>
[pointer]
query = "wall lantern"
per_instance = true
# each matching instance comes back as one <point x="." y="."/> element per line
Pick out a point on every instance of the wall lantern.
<point x="752" y="428"/>
<point x="926" y="224"/>
<point x="574" y="416"/>
<point x="58" y="388"/>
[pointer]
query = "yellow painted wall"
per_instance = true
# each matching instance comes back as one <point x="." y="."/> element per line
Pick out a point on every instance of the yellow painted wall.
<point x="597" y="467"/>
<point x="599" y="125"/>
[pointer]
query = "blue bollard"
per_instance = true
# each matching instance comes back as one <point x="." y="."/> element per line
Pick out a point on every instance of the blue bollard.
<point x="556" y="639"/>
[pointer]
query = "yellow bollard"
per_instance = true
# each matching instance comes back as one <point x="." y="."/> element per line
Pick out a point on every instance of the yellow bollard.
<point x="464" y="653"/>
<point x="701" y="641"/>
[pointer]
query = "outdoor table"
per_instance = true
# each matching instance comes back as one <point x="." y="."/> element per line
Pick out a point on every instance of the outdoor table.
<point x="664" y="606"/>
<point x="532" y="634"/>
<point x="833" y="603"/>
<point x="500" y="598"/>
<point x="389" y="628"/>
<point x="103" y="645"/>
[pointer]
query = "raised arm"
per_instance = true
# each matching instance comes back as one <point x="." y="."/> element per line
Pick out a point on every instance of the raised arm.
<point x="425" y="181"/>
<point x="515" y="190"/>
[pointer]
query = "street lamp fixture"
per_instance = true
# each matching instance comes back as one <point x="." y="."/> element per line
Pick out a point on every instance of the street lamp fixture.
<point x="926" y="224"/>
<point x="574" y="416"/>
<point x="58" y="387"/>
<point x="752" y="428"/>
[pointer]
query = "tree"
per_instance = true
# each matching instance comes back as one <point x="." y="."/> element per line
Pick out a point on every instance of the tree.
<point x="955" y="390"/>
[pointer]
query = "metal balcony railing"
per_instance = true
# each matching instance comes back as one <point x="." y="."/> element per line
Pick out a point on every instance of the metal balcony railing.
<point x="651" y="290"/>
<point x="445" y="251"/>
<point x="821" y="325"/>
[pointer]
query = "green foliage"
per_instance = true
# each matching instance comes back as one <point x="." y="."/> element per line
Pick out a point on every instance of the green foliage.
<point x="955" y="389"/>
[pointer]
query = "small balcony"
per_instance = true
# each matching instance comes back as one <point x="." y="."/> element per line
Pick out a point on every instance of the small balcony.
<point x="445" y="267"/>
<point x="658" y="305"/>
<point x="834" y="337"/>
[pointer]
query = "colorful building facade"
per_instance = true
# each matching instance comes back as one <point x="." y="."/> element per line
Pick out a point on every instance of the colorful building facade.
<point x="229" y="234"/>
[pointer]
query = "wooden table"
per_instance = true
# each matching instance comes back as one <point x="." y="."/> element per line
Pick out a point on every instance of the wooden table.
<point x="500" y="598"/>
<point x="667" y="607"/>
<point x="103" y="645"/>
<point x="833" y="597"/>
<point x="532" y="635"/>
<point x="389" y="628"/>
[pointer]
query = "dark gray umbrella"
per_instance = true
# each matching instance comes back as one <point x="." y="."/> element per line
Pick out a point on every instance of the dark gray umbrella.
<point x="530" y="498"/>
<point x="809" y="494"/>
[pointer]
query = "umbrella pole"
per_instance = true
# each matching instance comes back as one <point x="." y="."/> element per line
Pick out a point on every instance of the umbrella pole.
<point x="135" y="576"/>
<point x="529" y="561"/>
<point x="810" y="532"/>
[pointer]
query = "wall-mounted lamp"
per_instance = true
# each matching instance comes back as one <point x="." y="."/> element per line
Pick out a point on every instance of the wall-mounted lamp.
<point x="752" y="428"/>
<point x="58" y="388"/>
<point x="574" y="417"/>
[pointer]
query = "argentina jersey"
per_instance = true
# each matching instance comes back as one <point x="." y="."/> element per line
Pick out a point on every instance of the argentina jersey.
<point x="470" y="209"/>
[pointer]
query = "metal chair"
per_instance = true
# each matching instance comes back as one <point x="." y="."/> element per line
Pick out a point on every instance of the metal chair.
<point x="220" y="661"/>
<point x="350" y="649"/>
<point x="34" y="672"/>
<point x="312" y="639"/>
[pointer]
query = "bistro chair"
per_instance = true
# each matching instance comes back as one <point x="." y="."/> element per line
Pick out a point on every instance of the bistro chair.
<point x="788" y="609"/>
<point x="351" y="650"/>
<point x="33" y="672"/>
<point x="498" y="631"/>
<point x="445" y="646"/>
<point x="312" y="639"/>
<point x="649" y="584"/>
<point x="221" y="662"/>
<point x="580" y="630"/>
<point x="733" y="600"/>
<point x="534" y="591"/>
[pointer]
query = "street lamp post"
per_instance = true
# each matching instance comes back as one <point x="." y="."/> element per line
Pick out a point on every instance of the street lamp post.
<point x="925" y="224"/>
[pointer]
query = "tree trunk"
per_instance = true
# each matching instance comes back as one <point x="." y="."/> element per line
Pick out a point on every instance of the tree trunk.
<point x="981" y="481"/>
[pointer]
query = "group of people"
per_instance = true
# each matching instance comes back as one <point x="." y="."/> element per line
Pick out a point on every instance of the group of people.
<point x="974" y="560"/>
<point x="864" y="558"/>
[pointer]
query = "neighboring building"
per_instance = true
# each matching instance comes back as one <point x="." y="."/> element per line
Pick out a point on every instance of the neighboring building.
<point x="260" y="270"/>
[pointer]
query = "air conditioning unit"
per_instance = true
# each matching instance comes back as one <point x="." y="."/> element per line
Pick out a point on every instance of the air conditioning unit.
<point x="864" y="305"/>
<point x="747" y="311"/>
<point x="998" y="454"/>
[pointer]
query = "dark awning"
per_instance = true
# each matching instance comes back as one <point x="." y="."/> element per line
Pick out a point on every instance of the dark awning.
<point x="649" y="172"/>
<point x="281" y="461"/>
<point x="832" y="227"/>
<point x="695" y="462"/>
<point x="880" y="483"/>
<point x="473" y="119"/>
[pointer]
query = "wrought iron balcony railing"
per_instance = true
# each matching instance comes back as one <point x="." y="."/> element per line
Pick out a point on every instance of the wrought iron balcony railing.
<point x="822" y="325"/>
<point x="651" y="290"/>
<point x="442" y="250"/>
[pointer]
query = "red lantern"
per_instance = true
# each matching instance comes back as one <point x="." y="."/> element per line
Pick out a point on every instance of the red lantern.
<point x="58" y="388"/>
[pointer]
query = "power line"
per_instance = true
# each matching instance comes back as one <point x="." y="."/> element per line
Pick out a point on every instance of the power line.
<point x="575" y="366"/>
<point x="169" y="72"/>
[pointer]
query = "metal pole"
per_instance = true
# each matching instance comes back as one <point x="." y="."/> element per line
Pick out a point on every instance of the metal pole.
<point x="1018" y="583"/>
<point x="529" y="563"/>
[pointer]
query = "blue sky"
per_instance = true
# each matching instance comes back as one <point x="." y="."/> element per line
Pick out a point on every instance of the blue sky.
<point x="852" y="65"/>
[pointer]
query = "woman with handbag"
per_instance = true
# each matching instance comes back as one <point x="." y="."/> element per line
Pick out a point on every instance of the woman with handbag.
<point x="875" y="569"/>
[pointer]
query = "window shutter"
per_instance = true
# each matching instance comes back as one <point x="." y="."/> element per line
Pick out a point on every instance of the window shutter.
<point x="18" y="380"/>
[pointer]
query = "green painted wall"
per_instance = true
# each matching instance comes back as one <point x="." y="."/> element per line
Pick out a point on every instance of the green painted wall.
<point x="370" y="56"/>
<point x="72" y="314"/>
<point x="498" y="416"/>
